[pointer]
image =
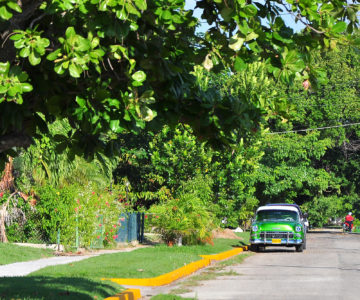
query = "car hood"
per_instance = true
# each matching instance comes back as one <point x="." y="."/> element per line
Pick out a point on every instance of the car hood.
<point x="276" y="225"/>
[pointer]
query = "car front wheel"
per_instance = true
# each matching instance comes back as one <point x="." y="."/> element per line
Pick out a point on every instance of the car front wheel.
<point x="254" y="248"/>
<point x="300" y="248"/>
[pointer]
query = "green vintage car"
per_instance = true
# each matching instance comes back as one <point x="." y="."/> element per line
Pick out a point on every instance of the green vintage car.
<point x="278" y="226"/>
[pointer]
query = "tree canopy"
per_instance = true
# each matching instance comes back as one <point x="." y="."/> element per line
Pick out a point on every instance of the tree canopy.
<point x="115" y="66"/>
<point x="304" y="151"/>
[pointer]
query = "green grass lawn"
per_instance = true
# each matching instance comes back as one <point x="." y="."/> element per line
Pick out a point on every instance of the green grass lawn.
<point x="140" y="263"/>
<point x="10" y="253"/>
<point x="81" y="280"/>
<point x="245" y="236"/>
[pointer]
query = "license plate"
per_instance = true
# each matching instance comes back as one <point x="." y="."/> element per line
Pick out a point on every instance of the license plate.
<point x="276" y="241"/>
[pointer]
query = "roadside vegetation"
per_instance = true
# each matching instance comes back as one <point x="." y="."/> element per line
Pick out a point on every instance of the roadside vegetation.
<point x="83" y="279"/>
<point x="185" y="187"/>
<point x="140" y="263"/>
<point x="122" y="107"/>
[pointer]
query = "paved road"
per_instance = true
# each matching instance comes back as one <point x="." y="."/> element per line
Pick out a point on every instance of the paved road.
<point x="328" y="269"/>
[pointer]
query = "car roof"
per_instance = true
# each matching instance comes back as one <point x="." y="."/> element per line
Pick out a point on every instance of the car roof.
<point x="284" y="204"/>
<point x="277" y="207"/>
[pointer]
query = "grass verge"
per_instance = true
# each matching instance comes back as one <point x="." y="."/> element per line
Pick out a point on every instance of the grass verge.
<point x="10" y="253"/>
<point x="140" y="263"/>
<point x="81" y="280"/>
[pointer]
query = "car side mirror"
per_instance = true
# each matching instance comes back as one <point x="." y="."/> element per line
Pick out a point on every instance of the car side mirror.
<point x="305" y="215"/>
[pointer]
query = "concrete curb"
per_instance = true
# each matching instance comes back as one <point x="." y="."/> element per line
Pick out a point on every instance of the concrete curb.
<point x="173" y="275"/>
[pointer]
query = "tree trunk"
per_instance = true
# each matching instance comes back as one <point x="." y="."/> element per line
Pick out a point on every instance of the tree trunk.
<point x="7" y="180"/>
<point x="3" y="237"/>
<point x="6" y="184"/>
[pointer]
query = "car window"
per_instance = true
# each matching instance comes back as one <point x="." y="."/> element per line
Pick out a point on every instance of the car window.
<point x="277" y="215"/>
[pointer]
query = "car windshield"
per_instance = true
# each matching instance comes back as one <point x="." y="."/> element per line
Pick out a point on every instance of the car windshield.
<point x="277" y="215"/>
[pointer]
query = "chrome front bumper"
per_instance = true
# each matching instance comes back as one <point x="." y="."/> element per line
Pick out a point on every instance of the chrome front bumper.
<point x="270" y="242"/>
<point x="276" y="238"/>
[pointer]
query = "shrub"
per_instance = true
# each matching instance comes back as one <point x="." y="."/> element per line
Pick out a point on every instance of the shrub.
<point x="95" y="214"/>
<point x="185" y="217"/>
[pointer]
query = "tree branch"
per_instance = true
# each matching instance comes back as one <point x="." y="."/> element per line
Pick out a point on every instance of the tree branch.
<point x="14" y="140"/>
<point x="298" y="17"/>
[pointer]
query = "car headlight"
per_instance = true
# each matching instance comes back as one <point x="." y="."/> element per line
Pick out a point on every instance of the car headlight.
<point x="255" y="228"/>
<point x="298" y="228"/>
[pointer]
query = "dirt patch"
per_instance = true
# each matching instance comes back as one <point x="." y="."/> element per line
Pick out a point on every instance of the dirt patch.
<point x="225" y="234"/>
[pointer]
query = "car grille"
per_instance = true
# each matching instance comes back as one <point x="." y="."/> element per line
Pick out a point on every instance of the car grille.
<point x="277" y="235"/>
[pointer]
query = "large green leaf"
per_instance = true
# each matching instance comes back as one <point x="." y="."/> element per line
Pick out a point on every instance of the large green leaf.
<point x="239" y="65"/>
<point x="250" y="10"/>
<point x="236" y="42"/>
<point x="75" y="70"/>
<point x="139" y="76"/>
<point x="5" y="13"/>
<point x="53" y="55"/>
<point x="26" y="87"/>
<point x="14" y="6"/>
<point x="34" y="58"/>
<point x="339" y="27"/>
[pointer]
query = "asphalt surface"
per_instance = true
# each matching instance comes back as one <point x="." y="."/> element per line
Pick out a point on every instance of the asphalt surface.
<point x="328" y="269"/>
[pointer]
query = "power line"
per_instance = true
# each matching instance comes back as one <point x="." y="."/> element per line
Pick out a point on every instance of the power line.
<point x="312" y="129"/>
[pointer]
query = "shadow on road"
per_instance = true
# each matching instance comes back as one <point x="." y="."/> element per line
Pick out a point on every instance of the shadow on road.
<point x="278" y="250"/>
<point x="39" y="287"/>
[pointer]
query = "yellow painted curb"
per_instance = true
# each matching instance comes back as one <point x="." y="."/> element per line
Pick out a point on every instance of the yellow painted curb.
<point x="165" y="278"/>
<point x="223" y="255"/>
<point x="129" y="294"/>
<point x="178" y="273"/>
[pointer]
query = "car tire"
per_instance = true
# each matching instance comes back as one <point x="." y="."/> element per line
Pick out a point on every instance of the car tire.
<point x="254" y="248"/>
<point x="300" y="248"/>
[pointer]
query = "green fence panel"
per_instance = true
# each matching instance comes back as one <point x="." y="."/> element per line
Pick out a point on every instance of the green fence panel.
<point x="98" y="242"/>
<point x="123" y="229"/>
<point x="131" y="227"/>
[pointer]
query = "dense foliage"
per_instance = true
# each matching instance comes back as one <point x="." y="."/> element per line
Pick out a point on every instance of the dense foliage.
<point x="186" y="187"/>
<point x="317" y="168"/>
<point x="110" y="67"/>
<point x="119" y="102"/>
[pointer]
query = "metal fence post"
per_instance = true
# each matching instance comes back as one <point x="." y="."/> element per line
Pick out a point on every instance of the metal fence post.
<point x="77" y="242"/>
<point x="58" y="239"/>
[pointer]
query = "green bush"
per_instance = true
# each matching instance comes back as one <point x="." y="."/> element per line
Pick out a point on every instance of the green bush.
<point x="22" y="222"/>
<point x="94" y="214"/>
<point x="186" y="217"/>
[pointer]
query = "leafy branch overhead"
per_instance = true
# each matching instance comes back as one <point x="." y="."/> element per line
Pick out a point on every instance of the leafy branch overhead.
<point x="116" y="66"/>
